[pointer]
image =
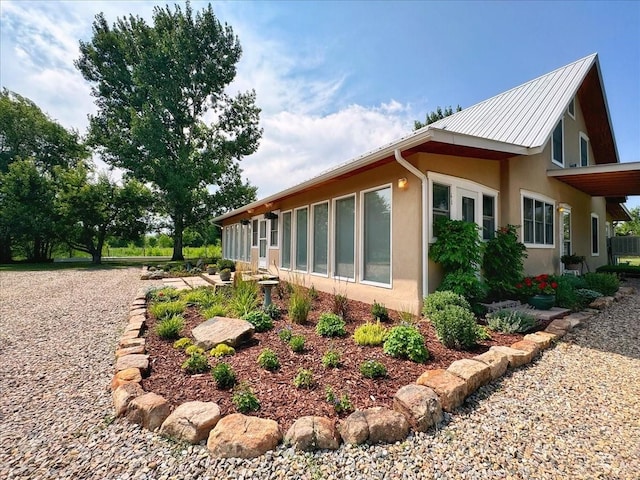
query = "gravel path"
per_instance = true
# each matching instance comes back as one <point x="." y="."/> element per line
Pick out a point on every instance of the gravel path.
<point x="573" y="414"/>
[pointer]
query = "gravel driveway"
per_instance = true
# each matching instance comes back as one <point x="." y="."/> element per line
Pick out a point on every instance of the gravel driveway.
<point x="575" y="413"/>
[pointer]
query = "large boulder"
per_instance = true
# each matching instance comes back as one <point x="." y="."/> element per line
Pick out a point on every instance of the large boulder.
<point x="450" y="388"/>
<point x="148" y="410"/>
<point x="374" y="425"/>
<point x="420" y="406"/>
<point x="313" y="433"/>
<point x="191" y="422"/>
<point x="241" y="436"/>
<point x="217" y="330"/>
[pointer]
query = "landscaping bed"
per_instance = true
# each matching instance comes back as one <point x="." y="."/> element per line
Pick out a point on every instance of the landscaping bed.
<point x="279" y="399"/>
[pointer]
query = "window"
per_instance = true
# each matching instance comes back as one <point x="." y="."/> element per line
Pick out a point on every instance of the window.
<point x="571" y="109"/>
<point x="320" y="238"/>
<point x="488" y="216"/>
<point x="557" y="146"/>
<point x="273" y="229"/>
<point x="285" y="251"/>
<point x="344" y="237"/>
<point x="301" y="238"/>
<point x="584" y="150"/>
<point x="537" y="218"/>
<point x="262" y="242"/>
<point x="566" y="232"/>
<point x="595" y="226"/>
<point x="254" y="241"/>
<point x="441" y="203"/>
<point x="376" y="237"/>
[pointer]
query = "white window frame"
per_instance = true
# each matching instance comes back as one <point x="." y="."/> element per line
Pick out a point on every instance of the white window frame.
<point x="273" y="221"/>
<point x="572" y="106"/>
<point x="597" y="244"/>
<point x="583" y="136"/>
<point x="541" y="198"/>
<point x="255" y="228"/>
<point x="332" y="268"/>
<point x="455" y="184"/>
<point x="312" y="237"/>
<point x="281" y="235"/>
<point x="294" y="242"/>
<point x="361" y="242"/>
<point x="553" y="159"/>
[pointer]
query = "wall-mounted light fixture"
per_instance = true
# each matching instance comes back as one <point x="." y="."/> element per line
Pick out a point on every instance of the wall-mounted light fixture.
<point x="403" y="183"/>
<point x="270" y="216"/>
<point x="245" y="221"/>
<point x="268" y="205"/>
<point x="563" y="207"/>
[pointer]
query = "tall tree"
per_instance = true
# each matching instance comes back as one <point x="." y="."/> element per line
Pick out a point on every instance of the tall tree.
<point x="437" y="114"/>
<point x="163" y="113"/>
<point x="631" y="227"/>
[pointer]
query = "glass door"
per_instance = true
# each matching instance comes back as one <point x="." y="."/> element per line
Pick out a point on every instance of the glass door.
<point x="262" y="244"/>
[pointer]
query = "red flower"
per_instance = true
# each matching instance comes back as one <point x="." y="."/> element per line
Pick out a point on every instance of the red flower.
<point x="518" y="285"/>
<point x="554" y="285"/>
<point x="542" y="285"/>
<point x="528" y="281"/>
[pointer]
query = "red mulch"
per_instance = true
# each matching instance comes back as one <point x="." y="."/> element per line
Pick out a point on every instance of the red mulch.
<point x="279" y="399"/>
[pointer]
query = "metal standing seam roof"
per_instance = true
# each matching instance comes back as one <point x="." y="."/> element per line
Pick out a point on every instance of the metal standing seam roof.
<point x="525" y="115"/>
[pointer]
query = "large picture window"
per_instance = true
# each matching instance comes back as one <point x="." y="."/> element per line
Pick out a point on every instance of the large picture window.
<point x="320" y="238"/>
<point x="344" y="237"/>
<point x="302" y="228"/>
<point x="285" y="250"/>
<point x="537" y="218"/>
<point x="376" y="236"/>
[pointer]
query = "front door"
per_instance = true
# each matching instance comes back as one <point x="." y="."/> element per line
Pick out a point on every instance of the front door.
<point x="565" y="233"/>
<point x="262" y="244"/>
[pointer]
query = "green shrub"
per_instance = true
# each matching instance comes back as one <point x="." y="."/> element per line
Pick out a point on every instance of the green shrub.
<point x="196" y="363"/>
<point x="436" y="301"/>
<point x="167" y="309"/>
<point x="193" y="349"/>
<point x="182" y="343"/>
<point x="605" y="283"/>
<point x="587" y="296"/>
<point x="164" y="294"/>
<point x="216" y="310"/>
<point x="224" y="376"/>
<point x="304" y="379"/>
<point x="331" y="359"/>
<point x="379" y="312"/>
<point x="169" y="328"/>
<point x="406" y="341"/>
<point x="340" y="405"/>
<point x="245" y="296"/>
<point x="313" y="293"/>
<point x="503" y="262"/>
<point x="245" y="400"/>
<point x="273" y="311"/>
<point x="340" y="305"/>
<point x="457" y="246"/>
<point x="202" y="297"/>
<point x="511" y="321"/>
<point x="373" y="369"/>
<point x="222" y="350"/>
<point x="285" y="334"/>
<point x="465" y="283"/>
<point x="226" y="263"/>
<point x="268" y="360"/>
<point x="566" y="296"/>
<point x="299" y="305"/>
<point x="623" y="269"/>
<point x="260" y="320"/>
<point x="330" y="325"/>
<point x="370" y="334"/>
<point x="456" y="327"/>
<point x="297" y="343"/>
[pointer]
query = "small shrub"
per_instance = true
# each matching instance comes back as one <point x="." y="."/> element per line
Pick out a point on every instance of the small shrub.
<point x="379" y="312"/>
<point x="226" y="263"/>
<point x="370" y="334"/>
<point x="464" y="283"/>
<point x="605" y="283"/>
<point x="222" y="350"/>
<point x="456" y="327"/>
<point x="196" y="363"/>
<point x="167" y="309"/>
<point x="341" y="405"/>
<point x="245" y="296"/>
<point x="331" y="359"/>
<point x="245" y="400"/>
<point x="373" y="369"/>
<point x="182" y="343"/>
<point x="587" y="296"/>
<point x="260" y="320"/>
<point x="224" y="376"/>
<point x="406" y="315"/>
<point x="268" y="360"/>
<point x="566" y="296"/>
<point x="164" y="294"/>
<point x="193" y="349"/>
<point x="201" y="297"/>
<point x="216" y="310"/>
<point x="406" y="341"/>
<point x="297" y="343"/>
<point x="273" y="311"/>
<point x="304" y="379"/>
<point x="330" y="325"/>
<point x="511" y="321"/>
<point x="340" y="305"/>
<point x="299" y="305"/>
<point x="285" y="334"/>
<point x="313" y="293"/>
<point x="169" y="328"/>
<point x="436" y="301"/>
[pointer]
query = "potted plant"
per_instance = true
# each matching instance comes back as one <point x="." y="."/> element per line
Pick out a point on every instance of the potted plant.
<point x="572" y="261"/>
<point x="211" y="269"/>
<point x="225" y="274"/>
<point x="539" y="291"/>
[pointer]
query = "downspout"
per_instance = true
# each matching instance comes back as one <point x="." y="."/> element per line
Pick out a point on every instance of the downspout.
<point x="424" y="236"/>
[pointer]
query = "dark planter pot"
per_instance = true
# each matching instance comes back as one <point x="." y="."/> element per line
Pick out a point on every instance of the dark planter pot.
<point x="211" y="270"/>
<point x="572" y="266"/>
<point x="225" y="276"/>
<point x="542" y="302"/>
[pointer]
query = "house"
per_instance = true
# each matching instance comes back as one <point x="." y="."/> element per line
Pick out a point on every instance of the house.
<point x="541" y="155"/>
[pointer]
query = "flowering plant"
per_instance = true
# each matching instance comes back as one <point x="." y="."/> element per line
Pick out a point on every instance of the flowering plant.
<point x="540" y="285"/>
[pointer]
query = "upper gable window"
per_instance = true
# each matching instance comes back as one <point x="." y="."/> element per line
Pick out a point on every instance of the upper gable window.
<point x="557" y="144"/>
<point x="571" y="109"/>
<point x="584" y="150"/>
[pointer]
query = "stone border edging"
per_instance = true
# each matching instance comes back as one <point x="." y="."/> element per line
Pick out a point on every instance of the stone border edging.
<point x="416" y="406"/>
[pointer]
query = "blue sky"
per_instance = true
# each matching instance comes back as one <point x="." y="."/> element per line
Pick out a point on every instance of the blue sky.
<point x="337" y="79"/>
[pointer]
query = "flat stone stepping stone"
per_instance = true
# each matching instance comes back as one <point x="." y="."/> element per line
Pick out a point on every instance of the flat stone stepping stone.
<point x="230" y="331"/>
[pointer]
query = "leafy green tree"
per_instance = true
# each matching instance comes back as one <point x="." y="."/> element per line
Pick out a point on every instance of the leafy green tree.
<point x="631" y="227"/>
<point x="93" y="210"/>
<point x="164" y="115"/>
<point x="437" y="114"/>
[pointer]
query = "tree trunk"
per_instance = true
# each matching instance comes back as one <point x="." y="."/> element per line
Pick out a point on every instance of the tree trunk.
<point x="178" y="227"/>
<point x="96" y="254"/>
